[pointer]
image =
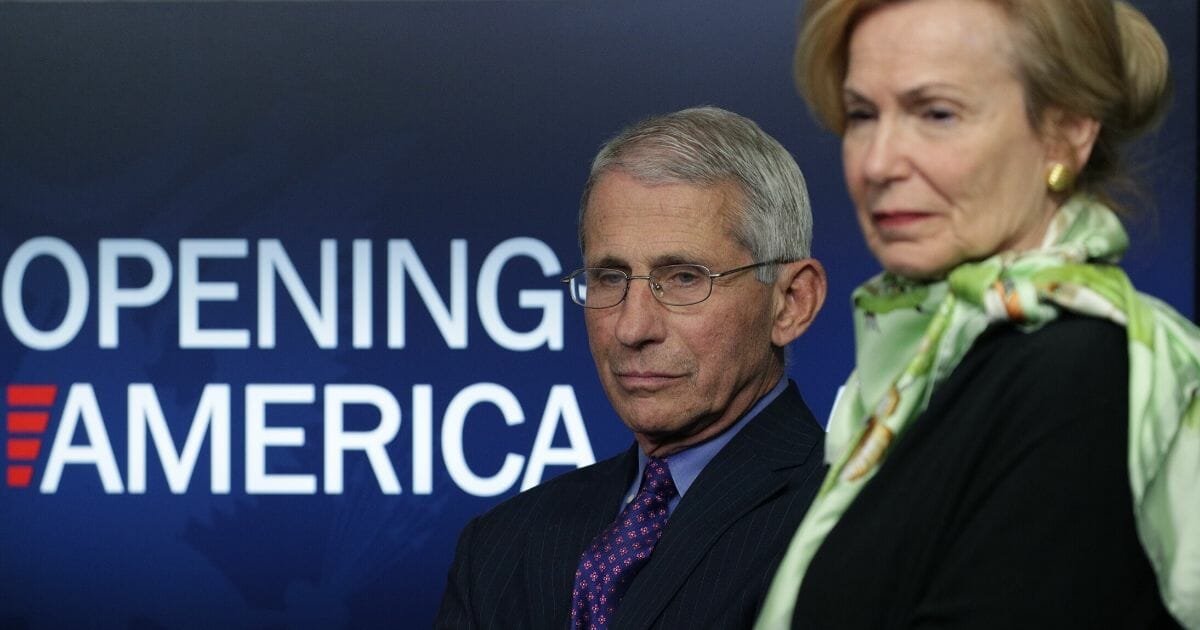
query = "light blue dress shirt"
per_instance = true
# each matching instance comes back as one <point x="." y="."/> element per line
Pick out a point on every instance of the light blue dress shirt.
<point x="687" y="464"/>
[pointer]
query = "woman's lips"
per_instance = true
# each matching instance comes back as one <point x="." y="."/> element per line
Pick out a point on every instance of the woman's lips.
<point x="898" y="219"/>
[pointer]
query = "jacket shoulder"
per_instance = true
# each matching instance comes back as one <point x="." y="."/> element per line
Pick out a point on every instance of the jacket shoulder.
<point x="564" y="492"/>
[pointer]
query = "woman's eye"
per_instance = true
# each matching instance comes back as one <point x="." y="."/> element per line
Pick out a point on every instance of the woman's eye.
<point x="858" y="114"/>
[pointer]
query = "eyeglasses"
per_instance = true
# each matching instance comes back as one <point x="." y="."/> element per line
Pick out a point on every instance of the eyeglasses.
<point x="673" y="285"/>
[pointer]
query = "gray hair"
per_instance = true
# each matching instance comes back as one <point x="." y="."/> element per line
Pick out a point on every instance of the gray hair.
<point x="708" y="146"/>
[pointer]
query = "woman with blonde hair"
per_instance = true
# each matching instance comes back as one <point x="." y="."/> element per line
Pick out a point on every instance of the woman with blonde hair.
<point x="1019" y="444"/>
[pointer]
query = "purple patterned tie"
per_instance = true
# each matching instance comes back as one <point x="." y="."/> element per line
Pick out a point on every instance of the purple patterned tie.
<point x="608" y="565"/>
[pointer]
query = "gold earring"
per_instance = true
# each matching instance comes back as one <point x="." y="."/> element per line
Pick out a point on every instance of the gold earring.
<point x="1060" y="178"/>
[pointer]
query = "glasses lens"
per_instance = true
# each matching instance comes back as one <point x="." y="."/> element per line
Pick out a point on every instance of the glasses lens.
<point x="598" y="288"/>
<point x="680" y="285"/>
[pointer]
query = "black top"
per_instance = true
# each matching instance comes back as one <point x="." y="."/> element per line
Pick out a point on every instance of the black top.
<point x="1006" y="504"/>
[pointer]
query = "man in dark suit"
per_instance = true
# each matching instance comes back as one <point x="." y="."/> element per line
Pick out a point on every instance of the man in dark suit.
<point x="695" y="232"/>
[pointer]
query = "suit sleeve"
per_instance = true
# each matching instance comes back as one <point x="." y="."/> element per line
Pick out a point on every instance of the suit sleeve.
<point x="456" y="611"/>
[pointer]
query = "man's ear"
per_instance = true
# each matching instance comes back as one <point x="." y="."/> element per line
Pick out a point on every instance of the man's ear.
<point x="799" y="292"/>
<point x="1070" y="137"/>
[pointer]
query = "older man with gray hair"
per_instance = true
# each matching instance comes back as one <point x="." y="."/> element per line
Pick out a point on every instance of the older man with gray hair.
<point x="684" y="528"/>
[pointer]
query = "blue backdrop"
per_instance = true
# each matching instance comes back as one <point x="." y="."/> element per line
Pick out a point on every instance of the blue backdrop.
<point x="281" y="301"/>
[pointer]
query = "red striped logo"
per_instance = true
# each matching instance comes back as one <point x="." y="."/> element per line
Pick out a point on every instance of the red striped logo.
<point x="26" y="421"/>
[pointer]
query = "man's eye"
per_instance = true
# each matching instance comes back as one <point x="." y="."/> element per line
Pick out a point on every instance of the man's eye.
<point x="608" y="278"/>
<point x="682" y="277"/>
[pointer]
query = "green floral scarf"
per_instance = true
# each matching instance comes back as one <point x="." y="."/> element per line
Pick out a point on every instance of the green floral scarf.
<point x="903" y="353"/>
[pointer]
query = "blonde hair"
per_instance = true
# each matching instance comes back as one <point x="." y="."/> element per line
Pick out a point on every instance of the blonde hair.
<point x="1096" y="58"/>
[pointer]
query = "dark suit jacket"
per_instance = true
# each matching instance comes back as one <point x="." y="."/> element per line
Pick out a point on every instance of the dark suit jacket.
<point x="515" y="566"/>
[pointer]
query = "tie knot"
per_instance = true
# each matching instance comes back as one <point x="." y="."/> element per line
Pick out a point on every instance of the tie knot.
<point x="656" y="479"/>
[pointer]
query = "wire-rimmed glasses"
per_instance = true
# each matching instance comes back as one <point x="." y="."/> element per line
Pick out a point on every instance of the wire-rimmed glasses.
<point x="673" y="285"/>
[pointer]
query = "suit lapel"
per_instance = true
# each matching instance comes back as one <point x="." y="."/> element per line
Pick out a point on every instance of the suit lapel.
<point x="552" y="557"/>
<point x="743" y="475"/>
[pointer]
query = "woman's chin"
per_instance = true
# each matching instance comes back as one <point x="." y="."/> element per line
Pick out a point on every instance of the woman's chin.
<point x="916" y="270"/>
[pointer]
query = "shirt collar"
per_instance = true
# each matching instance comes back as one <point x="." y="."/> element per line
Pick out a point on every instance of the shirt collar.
<point x="686" y="465"/>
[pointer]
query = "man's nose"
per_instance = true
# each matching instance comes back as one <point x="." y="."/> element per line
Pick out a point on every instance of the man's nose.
<point x="640" y="318"/>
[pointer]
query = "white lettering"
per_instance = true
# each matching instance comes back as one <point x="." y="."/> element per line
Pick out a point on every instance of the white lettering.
<point x="373" y="442"/>
<point x="362" y="300"/>
<point x="322" y="323"/>
<point x="550" y="330"/>
<point x="111" y="297"/>
<point x="319" y="310"/>
<point x="81" y="405"/>
<point x="452" y="439"/>
<point x="192" y="291"/>
<point x="259" y="436"/>
<point x="560" y="404"/>
<point x="422" y="451"/>
<point x="452" y="321"/>
<point x="77" y="293"/>
<point x="212" y="414"/>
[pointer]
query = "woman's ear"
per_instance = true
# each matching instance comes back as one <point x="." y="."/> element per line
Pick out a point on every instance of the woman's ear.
<point x="800" y="292"/>
<point x="1070" y="137"/>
